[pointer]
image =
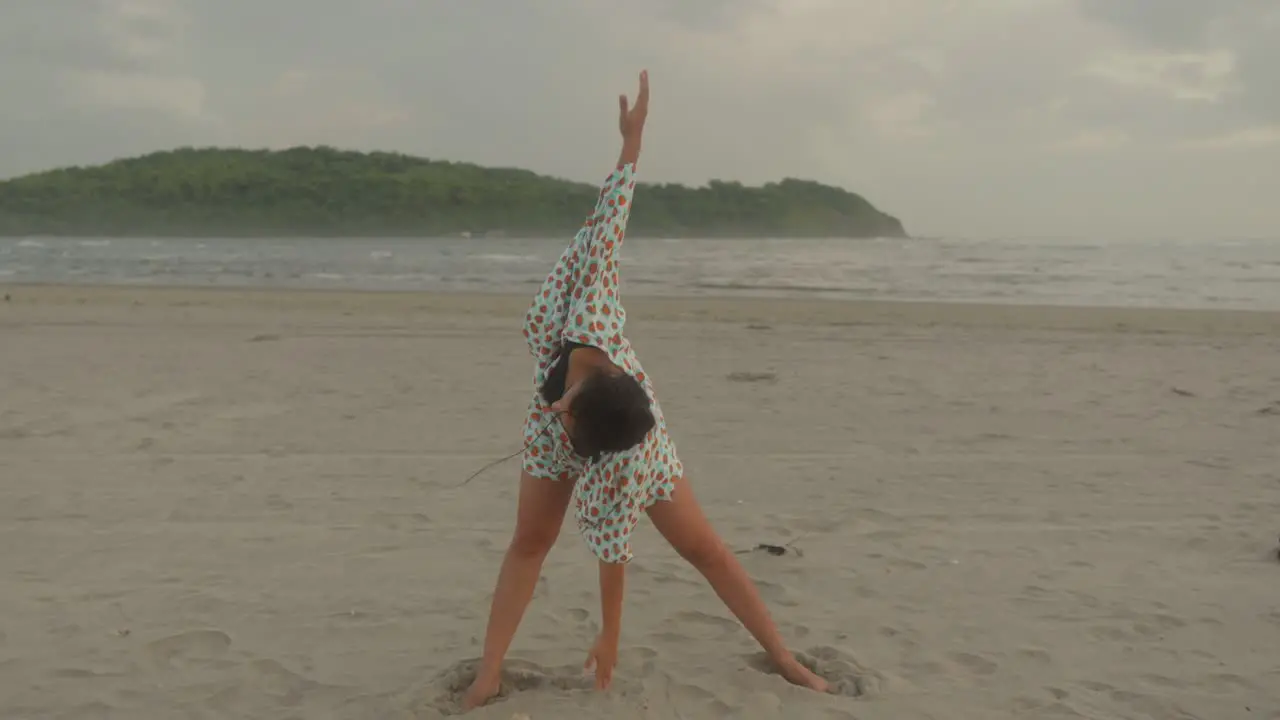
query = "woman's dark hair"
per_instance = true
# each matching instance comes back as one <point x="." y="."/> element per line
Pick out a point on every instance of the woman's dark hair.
<point x="610" y="414"/>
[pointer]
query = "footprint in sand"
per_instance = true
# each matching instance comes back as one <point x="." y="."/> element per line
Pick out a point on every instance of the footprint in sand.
<point x="846" y="676"/>
<point x="198" y="647"/>
<point x="518" y="676"/>
<point x="250" y="411"/>
<point x="692" y="697"/>
<point x="776" y="594"/>
<point x="975" y="664"/>
<point x="641" y="657"/>
<point x="1038" y="656"/>
<point x="716" y="626"/>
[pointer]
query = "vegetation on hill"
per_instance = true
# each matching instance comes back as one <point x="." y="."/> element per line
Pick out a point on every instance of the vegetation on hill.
<point x="327" y="192"/>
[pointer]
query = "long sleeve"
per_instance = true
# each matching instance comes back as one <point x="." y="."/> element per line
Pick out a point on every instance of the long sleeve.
<point x="595" y="314"/>
<point x="568" y="305"/>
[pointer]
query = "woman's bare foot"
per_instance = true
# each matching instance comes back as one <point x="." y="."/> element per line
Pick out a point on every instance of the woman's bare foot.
<point x="480" y="692"/>
<point x="797" y="674"/>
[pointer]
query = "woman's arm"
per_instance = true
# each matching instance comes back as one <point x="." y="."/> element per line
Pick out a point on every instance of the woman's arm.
<point x="595" y="317"/>
<point x="604" y="229"/>
<point x="631" y="121"/>
<point x="612" y="589"/>
<point x="631" y="126"/>
<point x="630" y="154"/>
<point x="603" y="656"/>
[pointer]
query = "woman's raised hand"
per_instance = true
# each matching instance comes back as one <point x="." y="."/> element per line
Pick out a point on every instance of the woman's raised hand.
<point x="631" y="117"/>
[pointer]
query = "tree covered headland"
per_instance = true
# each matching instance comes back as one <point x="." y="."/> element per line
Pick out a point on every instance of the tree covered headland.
<point x="322" y="191"/>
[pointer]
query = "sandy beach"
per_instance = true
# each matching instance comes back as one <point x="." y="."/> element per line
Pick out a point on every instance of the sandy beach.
<point x="246" y="504"/>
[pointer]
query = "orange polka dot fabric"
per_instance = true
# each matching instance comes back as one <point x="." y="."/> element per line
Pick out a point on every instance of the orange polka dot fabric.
<point x="579" y="302"/>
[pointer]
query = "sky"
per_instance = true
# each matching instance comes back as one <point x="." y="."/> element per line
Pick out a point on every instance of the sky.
<point x="981" y="118"/>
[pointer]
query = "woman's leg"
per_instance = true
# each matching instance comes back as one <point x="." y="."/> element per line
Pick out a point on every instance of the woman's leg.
<point x="681" y="522"/>
<point x="539" y="516"/>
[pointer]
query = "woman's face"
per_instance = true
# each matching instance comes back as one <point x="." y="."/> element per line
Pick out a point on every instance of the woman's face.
<point x="563" y="405"/>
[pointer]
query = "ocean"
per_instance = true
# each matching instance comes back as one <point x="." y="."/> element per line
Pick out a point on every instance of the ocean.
<point x="1134" y="273"/>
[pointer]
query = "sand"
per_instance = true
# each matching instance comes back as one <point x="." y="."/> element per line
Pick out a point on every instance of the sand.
<point x="234" y="504"/>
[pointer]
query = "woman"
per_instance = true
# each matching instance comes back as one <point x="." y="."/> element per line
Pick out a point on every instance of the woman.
<point x="596" y="434"/>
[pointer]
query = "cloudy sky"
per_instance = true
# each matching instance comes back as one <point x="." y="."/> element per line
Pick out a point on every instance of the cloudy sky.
<point x="964" y="117"/>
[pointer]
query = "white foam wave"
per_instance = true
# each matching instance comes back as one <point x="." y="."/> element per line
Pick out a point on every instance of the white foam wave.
<point x="506" y="258"/>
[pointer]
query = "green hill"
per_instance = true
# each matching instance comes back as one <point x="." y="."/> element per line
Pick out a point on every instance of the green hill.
<point x="327" y="192"/>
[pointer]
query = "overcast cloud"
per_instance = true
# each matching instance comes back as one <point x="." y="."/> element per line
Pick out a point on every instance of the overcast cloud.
<point x="964" y="117"/>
